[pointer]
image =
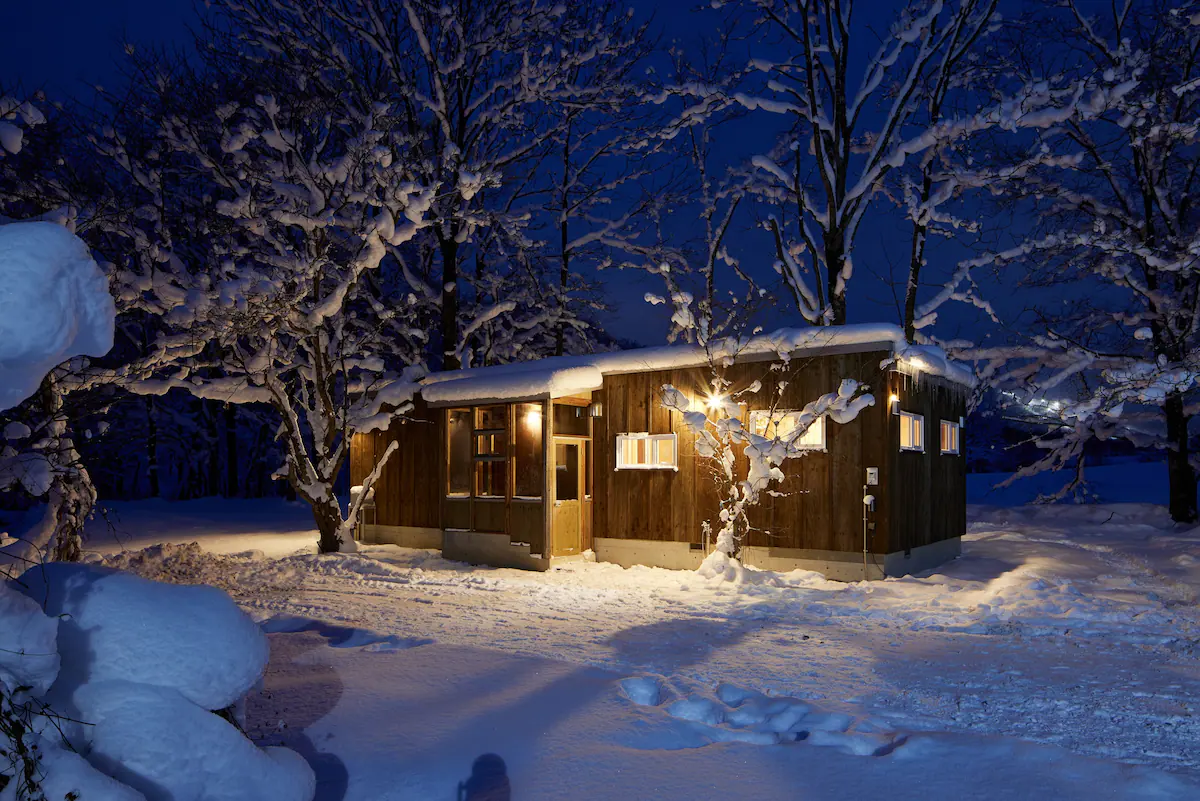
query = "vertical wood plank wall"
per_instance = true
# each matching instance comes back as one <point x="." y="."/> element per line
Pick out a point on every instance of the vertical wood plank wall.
<point x="823" y="505"/>
<point x="408" y="491"/>
<point x="929" y="491"/>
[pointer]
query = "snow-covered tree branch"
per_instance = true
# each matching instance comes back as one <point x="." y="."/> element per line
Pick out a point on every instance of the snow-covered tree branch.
<point x="1113" y="187"/>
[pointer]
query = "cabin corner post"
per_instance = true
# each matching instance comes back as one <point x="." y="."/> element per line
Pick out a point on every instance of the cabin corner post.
<point x="548" y="474"/>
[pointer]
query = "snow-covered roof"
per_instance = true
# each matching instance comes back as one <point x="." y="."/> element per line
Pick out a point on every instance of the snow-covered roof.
<point x="557" y="376"/>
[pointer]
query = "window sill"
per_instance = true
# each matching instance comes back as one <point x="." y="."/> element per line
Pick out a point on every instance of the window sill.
<point x="645" y="467"/>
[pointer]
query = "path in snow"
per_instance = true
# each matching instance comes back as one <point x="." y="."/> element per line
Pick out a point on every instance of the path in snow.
<point x="409" y="724"/>
<point x="1070" y="626"/>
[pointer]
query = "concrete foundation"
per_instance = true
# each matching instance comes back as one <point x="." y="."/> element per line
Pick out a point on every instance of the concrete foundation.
<point x="923" y="558"/>
<point x="497" y="550"/>
<point x="405" y="536"/>
<point x="835" y="565"/>
<point x="626" y="553"/>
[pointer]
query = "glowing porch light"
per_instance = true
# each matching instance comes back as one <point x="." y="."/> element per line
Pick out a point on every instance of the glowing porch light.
<point x="716" y="402"/>
<point x="894" y="403"/>
<point x="533" y="418"/>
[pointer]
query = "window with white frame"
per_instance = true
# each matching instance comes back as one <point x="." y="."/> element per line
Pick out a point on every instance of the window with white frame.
<point x="783" y="424"/>
<point x="912" y="432"/>
<point x="647" y="452"/>
<point x="951" y="432"/>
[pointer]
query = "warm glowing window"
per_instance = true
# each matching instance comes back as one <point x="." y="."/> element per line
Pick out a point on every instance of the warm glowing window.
<point x="951" y="433"/>
<point x="528" y="460"/>
<point x="458" y="454"/>
<point x="783" y="424"/>
<point x="647" y="452"/>
<point x="912" y="432"/>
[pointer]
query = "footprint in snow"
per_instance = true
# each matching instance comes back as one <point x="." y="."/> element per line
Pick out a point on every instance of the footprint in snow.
<point x="694" y="718"/>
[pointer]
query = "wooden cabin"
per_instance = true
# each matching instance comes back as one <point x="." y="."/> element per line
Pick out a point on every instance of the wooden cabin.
<point x="526" y="464"/>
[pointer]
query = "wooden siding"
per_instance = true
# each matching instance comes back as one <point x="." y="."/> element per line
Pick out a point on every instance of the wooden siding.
<point x="928" y="492"/>
<point x="408" y="490"/>
<point x="823" y="505"/>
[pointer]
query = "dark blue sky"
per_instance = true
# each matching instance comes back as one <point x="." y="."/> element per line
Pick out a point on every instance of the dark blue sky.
<point x="67" y="46"/>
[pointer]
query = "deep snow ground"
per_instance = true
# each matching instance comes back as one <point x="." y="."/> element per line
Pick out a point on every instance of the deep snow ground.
<point x="1073" y="629"/>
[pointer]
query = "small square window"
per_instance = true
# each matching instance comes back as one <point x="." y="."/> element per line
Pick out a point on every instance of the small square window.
<point x="647" y="452"/>
<point x="912" y="432"/>
<point x="951" y="433"/>
<point x="783" y="424"/>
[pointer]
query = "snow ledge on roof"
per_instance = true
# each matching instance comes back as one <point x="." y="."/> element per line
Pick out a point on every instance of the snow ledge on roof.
<point x="557" y="376"/>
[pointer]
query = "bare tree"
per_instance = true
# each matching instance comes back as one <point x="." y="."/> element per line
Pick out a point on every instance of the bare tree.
<point x="1117" y="352"/>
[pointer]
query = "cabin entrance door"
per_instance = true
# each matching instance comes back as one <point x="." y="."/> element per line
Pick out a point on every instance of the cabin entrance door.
<point x="569" y="471"/>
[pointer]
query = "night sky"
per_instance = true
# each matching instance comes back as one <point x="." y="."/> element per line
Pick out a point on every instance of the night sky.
<point x="68" y="46"/>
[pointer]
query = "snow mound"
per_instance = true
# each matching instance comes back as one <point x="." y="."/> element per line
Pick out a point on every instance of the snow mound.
<point x="28" y="653"/>
<point x="67" y="772"/>
<point x="54" y="305"/>
<point x="155" y="740"/>
<point x="241" y="575"/>
<point x="122" y="627"/>
<point x="696" y="717"/>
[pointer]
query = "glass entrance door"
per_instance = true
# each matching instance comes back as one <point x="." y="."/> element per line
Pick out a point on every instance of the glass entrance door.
<point x="569" y="471"/>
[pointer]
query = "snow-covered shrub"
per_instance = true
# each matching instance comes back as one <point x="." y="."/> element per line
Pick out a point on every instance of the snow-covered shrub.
<point x="54" y="306"/>
<point x="138" y="669"/>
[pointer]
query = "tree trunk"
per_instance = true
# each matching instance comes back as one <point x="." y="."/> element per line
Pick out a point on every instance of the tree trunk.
<point x="916" y="260"/>
<point x="151" y="447"/>
<point x="835" y="259"/>
<point x="212" y="473"/>
<point x="1180" y="475"/>
<point x="449" y="249"/>
<point x="564" y="276"/>
<point x="232" y="487"/>
<point x="328" y="515"/>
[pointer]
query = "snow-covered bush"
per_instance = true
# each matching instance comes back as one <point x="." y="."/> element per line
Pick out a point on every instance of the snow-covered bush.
<point x="137" y="670"/>
<point x="15" y="116"/>
<point x="54" y="306"/>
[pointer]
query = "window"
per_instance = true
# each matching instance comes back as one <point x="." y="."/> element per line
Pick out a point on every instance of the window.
<point x="783" y="424"/>
<point x="566" y="470"/>
<point x="950" y="436"/>
<point x="491" y="440"/>
<point x="490" y="478"/>
<point x="912" y="432"/>
<point x="647" y="452"/>
<point x="528" y="460"/>
<point x="458" y="454"/>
